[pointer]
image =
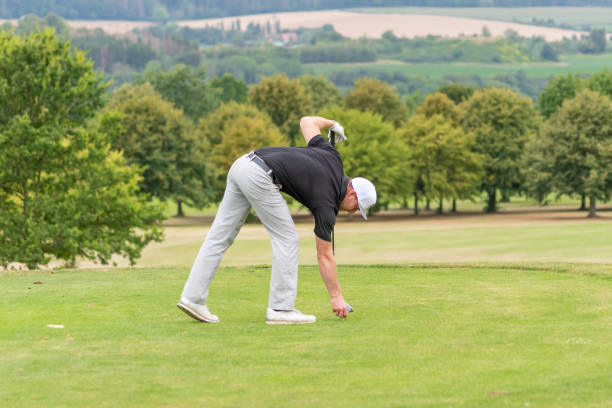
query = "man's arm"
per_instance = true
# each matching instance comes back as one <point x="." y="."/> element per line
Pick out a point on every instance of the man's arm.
<point x="312" y="126"/>
<point x="329" y="274"/>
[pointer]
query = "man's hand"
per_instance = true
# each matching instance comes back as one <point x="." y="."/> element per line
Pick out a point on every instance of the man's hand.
<point x="337" y="132"/>
<point x="339" y="306"/>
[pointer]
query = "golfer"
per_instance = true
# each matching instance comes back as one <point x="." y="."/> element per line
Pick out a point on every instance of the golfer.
<point x="314" y="176"/>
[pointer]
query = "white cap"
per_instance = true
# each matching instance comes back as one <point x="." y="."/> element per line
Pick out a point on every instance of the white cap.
<point x="366" y="194"/>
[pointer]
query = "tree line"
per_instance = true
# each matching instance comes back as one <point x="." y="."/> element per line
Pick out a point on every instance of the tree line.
<point x="189" y="9"/>
<point x="85" y="174"/>
<point x="246" y="53"/>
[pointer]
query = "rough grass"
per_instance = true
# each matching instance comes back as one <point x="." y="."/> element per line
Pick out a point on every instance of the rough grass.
<point x="472" y="335"/>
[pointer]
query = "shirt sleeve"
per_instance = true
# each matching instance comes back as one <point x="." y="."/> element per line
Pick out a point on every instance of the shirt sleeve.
<point x="325" y="218"/>
<point x="318" y="141"/>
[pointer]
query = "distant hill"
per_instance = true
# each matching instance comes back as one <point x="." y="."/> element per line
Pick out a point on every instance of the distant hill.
<point x="163" y="10"/>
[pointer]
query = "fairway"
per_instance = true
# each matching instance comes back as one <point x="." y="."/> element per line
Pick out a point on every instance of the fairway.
<point x="389" y="238"/>
<point x="477" y="335"/>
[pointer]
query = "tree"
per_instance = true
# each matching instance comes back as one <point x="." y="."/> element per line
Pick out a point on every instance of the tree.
<point x="229" y="88"/>
<point x="322" y="91"/>
<point x="158" y="138"/>
<point x="595" y="42"/>
<point x="601" y="82"/>
<point x="184" y="87"/>
<point x="457" y="92"/>
<point x="372" y="151"/>
<point x="549" y="53"/>
<point x="503" y="122"/>
<point x="285" y="101"/>
<point x="438" y="103"/>
<point x="219" y="133"/>
<point x="537" y="170"/>
<point x="441" y="157"/>
<point x="63" y="192"/>
<point x="372" y="95"/>
<point x="413" y="101"/>
<point x="576" y="145"/>
<point x="244" y="134"/>
<point x="558" y="90"/>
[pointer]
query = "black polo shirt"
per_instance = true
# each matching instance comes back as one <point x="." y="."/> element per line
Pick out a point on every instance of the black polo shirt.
<point x="314" y="176"/>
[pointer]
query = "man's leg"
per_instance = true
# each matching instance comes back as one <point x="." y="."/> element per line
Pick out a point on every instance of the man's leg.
<point x="230" y="217"/>
<point x="272" y="210"/>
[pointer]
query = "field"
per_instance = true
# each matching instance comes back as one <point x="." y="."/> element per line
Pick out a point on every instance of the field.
<point x="586" y="64"/>
<point x="576" y="17"/>
<point x="355" y="24"/>
<point x="472" y="335"/>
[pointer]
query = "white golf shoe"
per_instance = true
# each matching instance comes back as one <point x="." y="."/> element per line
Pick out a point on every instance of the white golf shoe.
<point x="198" y="312"/>
<point x="288" y="317"/>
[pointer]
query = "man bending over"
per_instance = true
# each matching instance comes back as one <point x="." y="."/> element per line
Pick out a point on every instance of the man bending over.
<point x="314" y="176"/>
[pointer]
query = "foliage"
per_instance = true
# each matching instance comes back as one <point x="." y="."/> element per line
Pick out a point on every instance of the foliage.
<point x="157" y="137"/>
<point x="549" y="53"/>
<point x="372" y="95"/>
<point x="413" y="101"/>
<point x="212" y="129"/>
<point x="285" y="101"/>
<point x="229" y="88"/>
<point x="503" y="122"/>
<point x="252" y="63"/>
<point x="439" y="104"/>
<point x="230" y="118"/>
<point x="441" y="158"/>
<point x="372" y="151"/>
<point x="338" y="52"/>
<point x="345" y="77"/>
<point x="559" y="89"/>
<point x="321" y="90"/>
<point x="595" y="42"/>
<point x="325" y="34"/>
<point x="63" y="193"/>
<point x="536" y="167"/>
<point x="457" y="92"/>
<point x="241" y="136"/>
<point x="31" y="23"/>
<point x="576" y="147"/>
<point x="111" y="53"/>
<point x="185" y="88"/>
<point x="463" y="50"/>
<point x="601" y="82"/>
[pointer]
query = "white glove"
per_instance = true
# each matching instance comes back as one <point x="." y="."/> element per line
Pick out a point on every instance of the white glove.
<point x="336" y="132"/>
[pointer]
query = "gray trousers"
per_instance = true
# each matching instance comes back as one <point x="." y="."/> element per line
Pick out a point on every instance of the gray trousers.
<point x="248" y="186"/>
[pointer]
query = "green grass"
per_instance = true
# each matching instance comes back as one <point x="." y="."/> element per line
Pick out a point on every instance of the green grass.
<point x="576" y="17"/>
<point x="422" y="336"/>
<point x="585" y="64"/>
<point x="514" y="236"/>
